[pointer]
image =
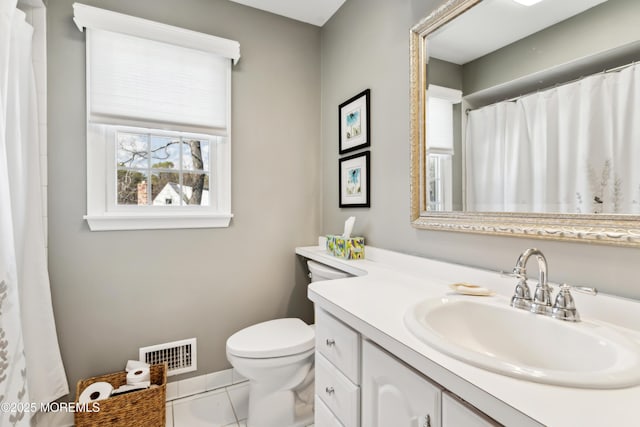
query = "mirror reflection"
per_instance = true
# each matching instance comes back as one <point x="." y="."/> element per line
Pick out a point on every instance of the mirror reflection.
<point x="534" y="108"/>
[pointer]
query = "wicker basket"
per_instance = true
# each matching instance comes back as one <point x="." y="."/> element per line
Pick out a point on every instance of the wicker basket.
<point x="144" y="408"/>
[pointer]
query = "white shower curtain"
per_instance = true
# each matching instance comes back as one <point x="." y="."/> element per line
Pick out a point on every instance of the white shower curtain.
<point x="31" y="369"/>
<point x="570" y="149"/>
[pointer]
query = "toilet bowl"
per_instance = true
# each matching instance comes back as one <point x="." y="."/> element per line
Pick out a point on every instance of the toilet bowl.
<point x="277" y="357"/>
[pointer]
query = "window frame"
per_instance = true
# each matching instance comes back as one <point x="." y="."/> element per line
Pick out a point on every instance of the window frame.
<point x="103" y="213"/>
<point x="440" y="188"/>
<point x="439" y="160"/>
<point x="113" y="168"/>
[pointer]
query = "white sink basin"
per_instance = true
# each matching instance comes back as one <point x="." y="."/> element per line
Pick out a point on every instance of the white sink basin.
<point x="488" y="333"/>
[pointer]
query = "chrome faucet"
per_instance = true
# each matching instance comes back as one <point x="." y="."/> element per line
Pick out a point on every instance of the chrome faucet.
<point x="564" y="307"/>
<point x="541" y="302"/>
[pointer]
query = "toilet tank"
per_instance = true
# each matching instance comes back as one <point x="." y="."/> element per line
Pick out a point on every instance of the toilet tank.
<point x="319" y="272"/>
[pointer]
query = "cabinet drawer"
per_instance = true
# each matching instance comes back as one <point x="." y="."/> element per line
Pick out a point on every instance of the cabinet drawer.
<point x="323" y="416"/>
<point x="337" y="392"/>
<point x="458" y="413"/>
<point x="339" y="344"/>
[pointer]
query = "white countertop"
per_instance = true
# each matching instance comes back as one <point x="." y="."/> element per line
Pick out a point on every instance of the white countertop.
<point x="388" y="283"/>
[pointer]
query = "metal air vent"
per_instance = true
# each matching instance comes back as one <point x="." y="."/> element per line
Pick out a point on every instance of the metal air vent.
<point x="179" y="355"/>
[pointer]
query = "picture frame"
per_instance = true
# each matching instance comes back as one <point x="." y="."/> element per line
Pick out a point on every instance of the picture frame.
<point x="354" y="183"/>
<point x="354" y="127"/>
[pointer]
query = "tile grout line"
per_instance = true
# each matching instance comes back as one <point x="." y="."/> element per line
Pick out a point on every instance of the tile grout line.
<point x="193" y="396"/>
<point x="235" y="414"/>
<point x="204" y="391"/>
<point x="220" y="390"/>
<point x="228" y="383"/>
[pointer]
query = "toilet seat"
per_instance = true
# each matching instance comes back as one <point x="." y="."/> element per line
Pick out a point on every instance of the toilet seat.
<point x="274" y="338"/>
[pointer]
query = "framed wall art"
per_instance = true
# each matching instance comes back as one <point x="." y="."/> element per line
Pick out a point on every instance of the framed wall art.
<point x="354" y="124"/>
<point x="354" y="181"/>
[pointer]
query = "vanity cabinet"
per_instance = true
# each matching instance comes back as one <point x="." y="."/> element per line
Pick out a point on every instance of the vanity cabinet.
<point x="373" y="313"/>
<point x="323" y="415"/>
<point x="395" y="395"/>
<point x="359" y="383"/>
<point x="339" y="344"/>
<point x="337" y="382"/>
<point x="456" y="413"/>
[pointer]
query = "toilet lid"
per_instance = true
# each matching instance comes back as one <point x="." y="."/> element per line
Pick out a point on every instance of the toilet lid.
<point x="275" y="338"/>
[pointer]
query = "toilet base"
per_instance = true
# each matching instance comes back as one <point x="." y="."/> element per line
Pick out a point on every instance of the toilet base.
<point x="268" y="408"/>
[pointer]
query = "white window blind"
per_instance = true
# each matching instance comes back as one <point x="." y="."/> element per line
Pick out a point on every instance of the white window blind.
<point x="136" y="81"/>
<point x="440" y="119"/>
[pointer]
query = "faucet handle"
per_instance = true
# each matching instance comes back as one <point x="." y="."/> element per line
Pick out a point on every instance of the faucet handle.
<point x="584" y="290"/>
<point x="565" y="307"/>
<point x="581" y="289"/>
<point x="522" y="295"/>
<point x="513" y="274"/>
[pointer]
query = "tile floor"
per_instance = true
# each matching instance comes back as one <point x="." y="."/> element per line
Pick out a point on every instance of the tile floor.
<point x="225" y="407"/>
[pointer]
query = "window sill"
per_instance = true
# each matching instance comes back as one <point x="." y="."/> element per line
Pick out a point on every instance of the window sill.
<point x="110" y="222"/>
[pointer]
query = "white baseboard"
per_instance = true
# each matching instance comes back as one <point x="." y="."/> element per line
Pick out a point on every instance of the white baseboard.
<point x="203" y="383"/>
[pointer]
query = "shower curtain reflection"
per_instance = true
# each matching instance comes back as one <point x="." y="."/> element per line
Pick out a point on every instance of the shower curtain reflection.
<point x="570" y="149"/>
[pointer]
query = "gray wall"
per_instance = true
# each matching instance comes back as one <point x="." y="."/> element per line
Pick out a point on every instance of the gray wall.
<point x="600" y="29"/>
<point x="443" y="73"/>
<point x="116" y="291"/>
<point x="376" y="34"/>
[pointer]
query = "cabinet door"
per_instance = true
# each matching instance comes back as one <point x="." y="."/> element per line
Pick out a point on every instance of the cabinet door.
<point x="394" y="394"/>
<point x="456" y="413"/>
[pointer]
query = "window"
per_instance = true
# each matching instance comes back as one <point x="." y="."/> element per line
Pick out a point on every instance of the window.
<point x="161" y="170"/>
<point x="158" y="115"/>
<point x="440" y="150"/>
<point x="440" y="182"/>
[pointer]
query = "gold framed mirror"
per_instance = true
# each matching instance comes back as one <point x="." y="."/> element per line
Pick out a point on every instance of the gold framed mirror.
<point x="611" y="213"/>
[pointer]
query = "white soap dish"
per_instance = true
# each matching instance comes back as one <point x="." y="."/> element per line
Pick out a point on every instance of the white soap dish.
<point x="470" y="289"/>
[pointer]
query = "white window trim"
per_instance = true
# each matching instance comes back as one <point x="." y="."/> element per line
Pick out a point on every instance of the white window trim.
<point x="443" y="183"/>
<point x="101" y="165"/>
<point x="93" y="17"/>
<point x="442" y="156"/>
<point x="104" y="214"/>
<point x="451" y="96"/>
<point x="116" y="222"/>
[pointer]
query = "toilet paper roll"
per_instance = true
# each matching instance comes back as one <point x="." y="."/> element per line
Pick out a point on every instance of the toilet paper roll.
<point x="139" y="375"/>
<point x="96" y="391"/>
<point x="135" y="364"/>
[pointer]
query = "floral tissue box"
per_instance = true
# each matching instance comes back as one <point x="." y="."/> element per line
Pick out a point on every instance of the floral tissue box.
<point x="351" y="248"/>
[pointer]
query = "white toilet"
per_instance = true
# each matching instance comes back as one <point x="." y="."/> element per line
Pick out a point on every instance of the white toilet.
<point x="277" y="357"/>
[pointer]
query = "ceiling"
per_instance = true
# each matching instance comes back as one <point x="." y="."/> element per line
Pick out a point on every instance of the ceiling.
<point x="493" y="24"/>
<point x="316" y="12"/>
<point x="497" y="22"/>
